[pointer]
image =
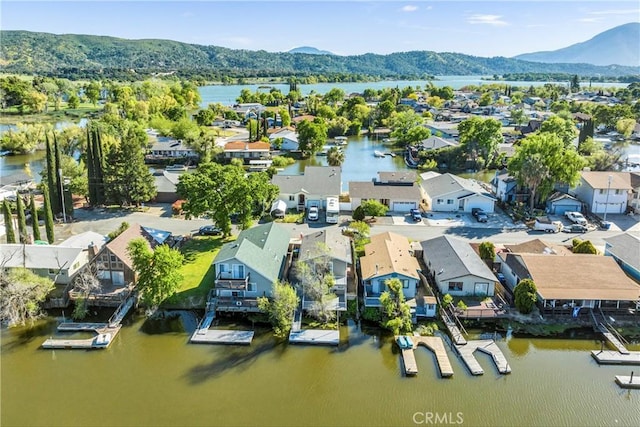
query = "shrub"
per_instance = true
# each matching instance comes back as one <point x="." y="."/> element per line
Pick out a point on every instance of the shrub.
<point x="427" y="330"/>
<point x="461" y="305"/>
<point x="176" y="207"/>
<point x="358" y="214"/>
<point x="447" y="300"/>
<point x="372" y="314"/>
<point x="525" y="294"/>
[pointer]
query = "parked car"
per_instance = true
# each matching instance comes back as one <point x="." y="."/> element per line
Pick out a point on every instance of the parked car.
<point x="576" y="217"/>
<point x="479" y="215"/>
<point x="575" y="228"/>
<point x="501" y="278"/>
<point x="209" y="230"/>
<point x="416" y="215"/>
<point x="313" y="213"/>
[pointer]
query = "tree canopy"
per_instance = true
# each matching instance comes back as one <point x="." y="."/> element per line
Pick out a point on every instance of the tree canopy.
<point x="481" y="136"/>
<point x="396" y="312"/>
<point x="525" y="294"/>
<point x="312" y="135"/>
<point x="21" y="292"/>
<point x="280" y="308"/>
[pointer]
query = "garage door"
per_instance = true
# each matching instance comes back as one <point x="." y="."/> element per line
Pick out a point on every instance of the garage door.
<point x="481" y="289"/>
<point x="561" y="209"/>
<point x="403" y="206"/>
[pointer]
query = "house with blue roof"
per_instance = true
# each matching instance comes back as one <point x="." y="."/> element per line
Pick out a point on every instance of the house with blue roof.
<point x="247" y="267"/>
<point x="625" y="249"/>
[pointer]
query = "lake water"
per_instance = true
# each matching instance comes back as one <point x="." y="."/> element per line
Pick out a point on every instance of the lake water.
<point x="227" y="94"/>
<point x="159" y="379"/>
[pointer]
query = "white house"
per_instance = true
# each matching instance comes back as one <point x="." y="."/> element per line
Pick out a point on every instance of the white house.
<point x="604" y="191"/>
<point x="396" y="190"/>
<point x="457" y="268"/>
<point x="388" y="256"/>
<point x="451" y="193"/>
<point x="289" y="139"/>
<point x="312" y="188"/>
<point x="58" y="263"/>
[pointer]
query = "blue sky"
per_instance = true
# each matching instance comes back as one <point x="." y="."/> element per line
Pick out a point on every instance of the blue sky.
<point x="481" y="28"/>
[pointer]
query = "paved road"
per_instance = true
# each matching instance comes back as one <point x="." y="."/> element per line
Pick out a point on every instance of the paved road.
<point x="497" y="231"/>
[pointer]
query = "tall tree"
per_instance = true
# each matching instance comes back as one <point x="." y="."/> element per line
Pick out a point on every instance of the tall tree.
<point x="58" y="170"/>
<point x="22" y="220"/>
<point x="396" y="312"/>
<point x="280" y="308"/>
<point x="158" y="271"/>
<point x="526" y="295"/>
<point x="312" y="135"/>
<point x="335" y="156"/>
<point x="35" y="223"/>
<point x="541" y="160"/>
<point x="8" y="222"/>
<point x="52" y="177"/>
<point x="48" y="216"/>
<point x="407" y="128"/>
<point x="565" y="129"/>
<point x="487" y="252"/>
<point x="481" y="136"/>
<point x="315" y="280"/>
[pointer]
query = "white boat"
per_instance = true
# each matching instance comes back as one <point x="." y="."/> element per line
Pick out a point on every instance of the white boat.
<point x="176" y="168"/>
<point x="340" y="140"/>
<point x="378" y="153"/>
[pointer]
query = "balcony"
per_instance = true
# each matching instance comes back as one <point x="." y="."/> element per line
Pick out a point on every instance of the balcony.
<point x="226" y="280"/>
<point x="237" y="304"/>
<point x="339" y="303"/>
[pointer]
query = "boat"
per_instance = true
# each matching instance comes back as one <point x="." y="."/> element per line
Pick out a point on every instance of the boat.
<point x="404" y="342"/>
<point x="340" y="140"/>
<point x="176" y="168"/>
<point x="390" y="154"/>
<point x="321" y="153"/>
<point x="378" y="153"/>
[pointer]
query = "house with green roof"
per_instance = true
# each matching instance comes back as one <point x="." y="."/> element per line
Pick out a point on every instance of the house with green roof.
<point x="247" y="267"/>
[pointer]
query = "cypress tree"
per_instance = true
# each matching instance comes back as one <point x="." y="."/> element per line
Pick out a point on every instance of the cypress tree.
<point x="8" y="222"/>
<point x="52" y="174"/>
<point x="48" y="216"/>
<point x="58" y="167"/>
<point x="90" y="168"/>
<point x="98" y="168"/>
<point x="22" y="220"/>
<point x="34" y="219"/>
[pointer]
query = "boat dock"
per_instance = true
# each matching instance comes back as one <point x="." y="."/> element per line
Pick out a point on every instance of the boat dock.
<point x="315" y="336"/>
<point x="82" y="327"/>
<point x="221" y="336"/>
<point x="452" y="327"/>
<point x="626" y="381"/>
<point x="608" y="357"/>
<point x="485" y="346"/>
<point x="102" y="340"/>
<point x="436" y="345"/>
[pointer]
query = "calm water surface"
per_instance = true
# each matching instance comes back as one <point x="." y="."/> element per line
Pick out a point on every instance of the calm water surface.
<point x="159" y="379"/>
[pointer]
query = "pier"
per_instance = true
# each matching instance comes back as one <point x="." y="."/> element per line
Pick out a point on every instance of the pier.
<point x="452" y="327"/>
<point x="485" y="346"/>
<point x="222" y="336"/>
<point x="436" y="345"/>
<point x="626" y="381"/>
<point x="608" y="357"/>
<point x="315" y="336"/>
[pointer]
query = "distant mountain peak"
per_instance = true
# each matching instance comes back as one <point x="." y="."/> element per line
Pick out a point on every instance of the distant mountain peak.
<point x="310" y="51"/>
<point x="619" y="45"/>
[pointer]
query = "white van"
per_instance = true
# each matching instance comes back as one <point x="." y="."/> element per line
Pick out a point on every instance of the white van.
<point x="333" y="210"/>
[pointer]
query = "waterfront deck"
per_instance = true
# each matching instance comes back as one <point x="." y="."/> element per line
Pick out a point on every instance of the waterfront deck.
<point x="315" y="336"/>
<point x="103" y="340"/>
<point x="607" y="357"/>
<point x="613" y="340"/>
<point x="82" y="327"/>
<point x="222" y="336"/>
<point x="435" y="345"/>
<point x="409" y="361"/>
<point x="627" y="381"/>
<point x="485" y="346"/>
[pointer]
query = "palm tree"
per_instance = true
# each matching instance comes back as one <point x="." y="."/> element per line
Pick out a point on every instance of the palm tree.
<point x="335" y="156"/>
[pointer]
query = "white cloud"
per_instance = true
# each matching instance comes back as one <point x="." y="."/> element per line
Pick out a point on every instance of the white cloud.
<point x="616" y="12"/>
<point x="409" y="8"/>
<point x="487" y="19"/>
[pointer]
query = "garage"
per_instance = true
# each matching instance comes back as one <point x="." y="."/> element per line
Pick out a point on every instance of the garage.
<point x="403" y="206"/>
<point x="559" y="203"/>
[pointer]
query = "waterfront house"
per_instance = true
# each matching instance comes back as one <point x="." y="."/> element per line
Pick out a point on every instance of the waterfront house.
<point x="166" y="182"/>
<point x="388" y="256"/>
<point x="559" y="203"/>
<point x="451" y="193"/>
<point x="331" y="248"/>
<point x="312" y="188"/>
<point x="247" y="267"/>
<point x="603" y="191"/>
<point x="248" y="110"/>
<point x="167" y="148"/>
<point x="566" y="282"/>
<point x="625" y="249"/>
<point x="506" y="189"/>
<point x="247" y="151"/>
<point x="58" y="263"/>
<point x="435" y="143"/>
<point x="456" y="268"/>
<point x="396" y="190"/>
<point x="289" y="139"/>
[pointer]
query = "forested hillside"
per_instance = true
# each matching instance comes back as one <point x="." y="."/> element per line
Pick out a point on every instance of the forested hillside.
<point x="70" y="55"/>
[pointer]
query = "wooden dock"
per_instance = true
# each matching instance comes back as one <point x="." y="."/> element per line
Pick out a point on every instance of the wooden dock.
<point x="607" y="357"/>
<point x="409" y="361"/>
<point x="222" y="336"/>
<point x="485" y="346"/>
<point x="436" y="345"/>
<point x="627" y="381"/>
<point x="315" y="336"/>
<point x="81" y="327"/>
<point x="613" y="340"/>
<point x="103" y="340"/>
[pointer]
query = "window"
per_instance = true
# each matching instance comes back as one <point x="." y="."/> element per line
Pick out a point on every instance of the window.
<point x="251" y="287"/>
<point x="449" y="201"/>
<point x="405" y="284"/>
<point x="113" y="258"/>
<point x="292" y="198"/>
<point x="439" y="201"/>
<point x="618" y="191"/>
<point x="53" y="271"/>
<point x="602" y="191"/>
<point x="455" y="286"/>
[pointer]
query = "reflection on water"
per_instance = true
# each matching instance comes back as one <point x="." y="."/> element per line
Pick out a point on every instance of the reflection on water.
<point x="160" y="379"/>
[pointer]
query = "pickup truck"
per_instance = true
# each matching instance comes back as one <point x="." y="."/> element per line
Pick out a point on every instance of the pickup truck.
<point x="543" y="223"/>
<point x="576" y="218"/>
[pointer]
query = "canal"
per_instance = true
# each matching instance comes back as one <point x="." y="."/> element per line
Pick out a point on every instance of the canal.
<point x="152" y="378"/>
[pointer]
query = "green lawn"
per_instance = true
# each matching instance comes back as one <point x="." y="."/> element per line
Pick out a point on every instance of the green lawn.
<point x="197" y="272"/>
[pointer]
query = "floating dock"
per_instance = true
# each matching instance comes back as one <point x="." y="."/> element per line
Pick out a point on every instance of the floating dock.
<point x="627" y="381"/>
<point x="315" y="336"/>
<point x="103" y="340"/>
<point x="485" y="346"/>
<point x="222" y="336"/>
<point x="436" y="345"/>
<point x="81" y="327"/>
<point x="607" y="357"/>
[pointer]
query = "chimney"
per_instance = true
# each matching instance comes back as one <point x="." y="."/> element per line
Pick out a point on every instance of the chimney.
<point x="92" y="250"/>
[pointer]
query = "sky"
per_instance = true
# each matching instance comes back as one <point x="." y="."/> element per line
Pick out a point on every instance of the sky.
<point x="479" y="28"/>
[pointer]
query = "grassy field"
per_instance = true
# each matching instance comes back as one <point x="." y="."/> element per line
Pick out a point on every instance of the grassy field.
<point x="197" y="272"/>
<point x="12" y="115"/>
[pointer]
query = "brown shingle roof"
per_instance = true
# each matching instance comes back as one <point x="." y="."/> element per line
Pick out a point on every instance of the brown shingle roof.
<point x="537" y="246"/>
<point x="247" y="146"/>
<point x="118" y="246"/>
<point x="388" y="253"/>
<point x="580" y="277"/>
<point x="597" y="180"/>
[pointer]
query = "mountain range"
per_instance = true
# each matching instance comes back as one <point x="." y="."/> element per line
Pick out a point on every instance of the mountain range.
<point x="55" y="55"/>
<point x="619" y="45"/>
<point x="310" y="51"/>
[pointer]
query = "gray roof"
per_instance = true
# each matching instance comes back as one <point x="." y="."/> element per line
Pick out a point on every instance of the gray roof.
<point x="452" y="258"/>
<point x="398" y="176"/>
<point x="323" y="180"/>
<point x="83" y="240"/>
<point x="369" y="190"/>
<point x="557" y="196"/>
<point x="435" y="142"/>
<point x="165" y="143"/>
<point x="338" y="245"/>
<point x="38" y="256"/>
<point x="262" y="248"/>
<point x="448" y="183"/>
<point x="625" y="247"/>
